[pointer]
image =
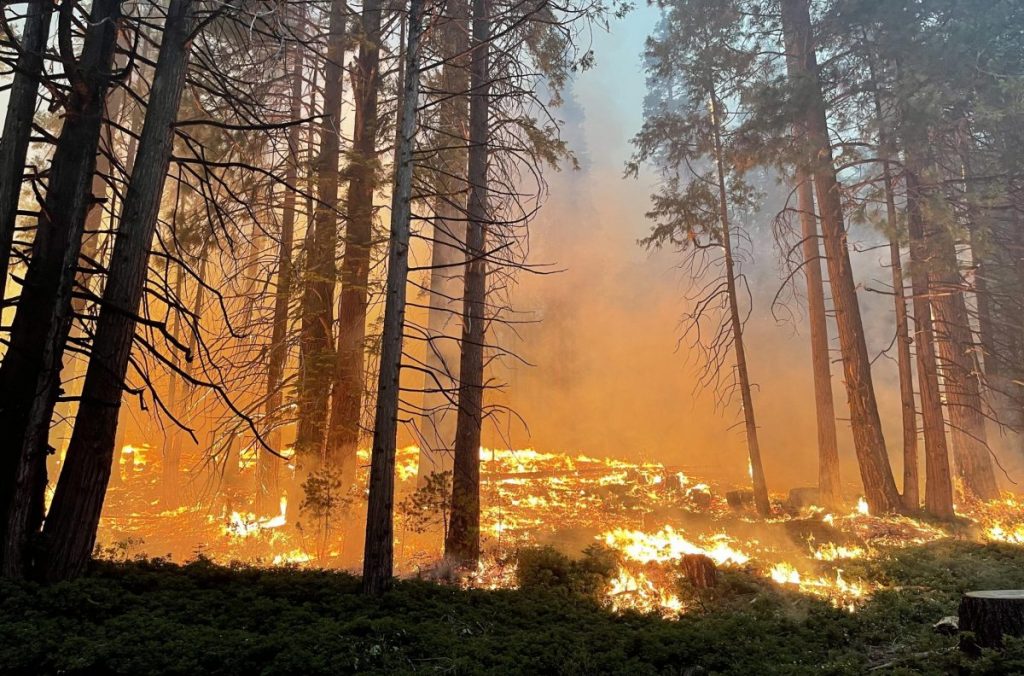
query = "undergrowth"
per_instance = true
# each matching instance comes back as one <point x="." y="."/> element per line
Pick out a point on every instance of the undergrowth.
<point x="153" y="617"/>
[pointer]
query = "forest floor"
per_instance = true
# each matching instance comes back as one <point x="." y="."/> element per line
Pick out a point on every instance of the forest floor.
<point x="154" y="617"/>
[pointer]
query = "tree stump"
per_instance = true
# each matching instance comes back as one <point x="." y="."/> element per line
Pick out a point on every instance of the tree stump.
<point x="699" y="570"/>
<point x="990" y="615"/>
<point x="740" y="499"/>
<point x="807" y="496"/>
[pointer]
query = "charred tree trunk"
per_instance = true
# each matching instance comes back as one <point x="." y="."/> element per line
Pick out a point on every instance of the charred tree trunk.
<point x="318" y="285"/>
<point x="70" y="530"/>
<point x="447" y="252"/>
<point x="29" y="375"/>
<point x="872" y="459"/>
<point x="268" y="466"/>
<point x="828" y="447"/>
<point x="938" y="489"/>
<point x="347" y="394"/>
<point x="21" y="110"/>
<point x="462" y="544"/>
<point x="378" y="559"/>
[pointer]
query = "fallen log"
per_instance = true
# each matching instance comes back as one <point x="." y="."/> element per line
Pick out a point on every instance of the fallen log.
<point x="990" y="615"/>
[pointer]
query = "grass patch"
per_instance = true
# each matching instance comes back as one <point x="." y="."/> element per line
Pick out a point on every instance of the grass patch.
<point x="152" y="617"/>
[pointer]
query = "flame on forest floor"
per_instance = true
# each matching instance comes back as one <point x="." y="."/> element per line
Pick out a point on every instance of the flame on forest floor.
<point x="651" y="516"/>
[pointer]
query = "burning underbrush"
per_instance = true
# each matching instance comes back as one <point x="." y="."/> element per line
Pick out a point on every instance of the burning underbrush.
<point x="661" y="536"/>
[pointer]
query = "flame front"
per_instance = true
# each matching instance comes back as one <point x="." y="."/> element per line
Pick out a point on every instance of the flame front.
<point x="650" y="516"/>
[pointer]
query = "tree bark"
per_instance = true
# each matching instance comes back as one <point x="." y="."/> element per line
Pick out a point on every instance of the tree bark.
<point x="872" y="459"/>
<point x="447" y="252"/>
<point x="998" y="251"/>
<point x="829" y="490"/>
<point x="21" y="110"/>
<point x="757" y="477"/>
<point x="938" y="489"/>
<point x="990" y="615"/>
<point x="318" y="285"/>
<point x="462" y="544"/>
<point x="959" y="372"/>
<point x="378" y="559"/>
<point x="908" y="409"/>
<point x="29" y="375"/>
<point x="70" y="530"/>
<point x="347" y="394"/>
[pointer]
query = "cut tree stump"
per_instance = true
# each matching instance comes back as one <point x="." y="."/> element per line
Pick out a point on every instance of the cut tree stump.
<point x="699" y="570"/>
<point x="740" y="499"/>
<point x="806" y="496"/>
<point x="990" y="615"/>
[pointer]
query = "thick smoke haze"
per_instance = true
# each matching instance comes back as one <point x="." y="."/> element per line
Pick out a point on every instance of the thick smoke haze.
<point x="610" y="374"/>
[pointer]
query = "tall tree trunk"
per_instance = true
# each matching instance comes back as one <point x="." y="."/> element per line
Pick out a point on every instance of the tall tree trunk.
<point x="318" y="286"/>
<point x="378" y="559"/>
<point x="347" y="394"/>
<point x="959" y="372"/>
<point x="872" y="459"/>
<point x="938" y="489"/>
<point x="828" y="446"/>
<point x="911" y="482"/>
<point x="761" y="500"/>
<point x="268" y="466"/>
<point x="462" y="544"/>
<point x="998" y="251"/>
<point x="447" y="251"/>
<point x="30" y="373"/>
<point x="70" y="530"/>
<point x="21" y="110"/>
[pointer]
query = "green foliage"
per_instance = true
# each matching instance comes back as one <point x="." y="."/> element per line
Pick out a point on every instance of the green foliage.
<point x="429" y="505"/>
<point x="548" y="568"/>
<point x="153" y="617"/>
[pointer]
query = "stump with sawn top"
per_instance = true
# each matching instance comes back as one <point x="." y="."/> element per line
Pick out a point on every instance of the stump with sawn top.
<point x="990" y="615"/>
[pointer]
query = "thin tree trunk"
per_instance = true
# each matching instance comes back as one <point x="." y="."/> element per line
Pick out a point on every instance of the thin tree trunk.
<point x="318" y="285"/>
<point x="938" y="489"/>
<point x="876" y="473"/>
<point x="447" y="252"/>
<point x="21" y="110"/>
<point x="911" y="482"/>
<point x="267" y="467"/>
<point x="462" y="544"/>
<point x="30" y="373"/>
<point x="347" y="394"/>
<point x="70" y="530"/>
<point x="378" y="559"/>
<point x="828" y="447"/>
<point x="761" y="501"/>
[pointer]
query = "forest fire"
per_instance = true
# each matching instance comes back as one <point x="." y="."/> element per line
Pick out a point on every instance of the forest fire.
<point x="649" y="516"/>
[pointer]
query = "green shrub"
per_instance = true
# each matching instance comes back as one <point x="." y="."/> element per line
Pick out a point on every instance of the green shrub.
<point x="546" y="567"/>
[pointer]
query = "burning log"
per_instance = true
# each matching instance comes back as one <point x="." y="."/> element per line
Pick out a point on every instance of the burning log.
<point x="700" y="570"/>
<point x="990" y="615"/>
